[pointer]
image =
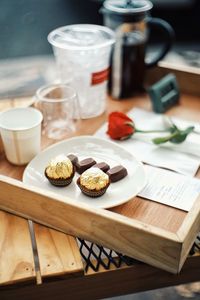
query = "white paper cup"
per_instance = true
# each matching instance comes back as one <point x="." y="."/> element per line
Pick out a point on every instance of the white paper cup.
<point x="21" y="134"/>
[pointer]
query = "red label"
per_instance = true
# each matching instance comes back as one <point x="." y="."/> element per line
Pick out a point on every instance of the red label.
<point x="100" y="77"/>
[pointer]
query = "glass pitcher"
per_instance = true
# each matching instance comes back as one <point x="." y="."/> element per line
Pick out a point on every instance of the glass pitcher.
<point x="130" y="20"/>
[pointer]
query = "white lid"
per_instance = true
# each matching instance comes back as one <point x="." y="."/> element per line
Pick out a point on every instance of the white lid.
<point x="81" y="37"/>
<point x="128" y="7"/>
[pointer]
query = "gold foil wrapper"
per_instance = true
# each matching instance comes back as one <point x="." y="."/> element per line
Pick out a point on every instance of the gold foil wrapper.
<point x="60" y="167"/>
<point x="94" y="179"/>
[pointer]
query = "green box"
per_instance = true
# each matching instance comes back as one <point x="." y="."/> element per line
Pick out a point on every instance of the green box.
<point x="164" y="93"/>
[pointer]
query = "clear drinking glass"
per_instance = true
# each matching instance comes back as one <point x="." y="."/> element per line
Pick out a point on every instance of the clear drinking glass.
<point x="82" y="53"/>
<point x="60" y="108"/>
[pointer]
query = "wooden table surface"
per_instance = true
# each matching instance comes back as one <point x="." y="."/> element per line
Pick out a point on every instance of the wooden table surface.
<point x="53" y="258"/>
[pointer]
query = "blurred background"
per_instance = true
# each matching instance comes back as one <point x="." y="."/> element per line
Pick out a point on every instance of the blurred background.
<point x="25" y="24"/>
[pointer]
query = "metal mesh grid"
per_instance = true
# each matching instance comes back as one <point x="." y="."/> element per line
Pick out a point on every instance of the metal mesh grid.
<point x="196" y="246"/>
<point x="95" y="255"/>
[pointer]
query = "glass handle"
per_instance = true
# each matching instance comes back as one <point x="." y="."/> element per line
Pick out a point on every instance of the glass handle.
<point x="169" y="39"/>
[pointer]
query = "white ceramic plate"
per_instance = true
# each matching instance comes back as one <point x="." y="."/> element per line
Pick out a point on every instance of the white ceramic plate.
<point x="100" y="150"/>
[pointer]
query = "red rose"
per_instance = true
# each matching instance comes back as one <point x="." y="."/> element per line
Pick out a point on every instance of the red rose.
<point x="120" y="126"/>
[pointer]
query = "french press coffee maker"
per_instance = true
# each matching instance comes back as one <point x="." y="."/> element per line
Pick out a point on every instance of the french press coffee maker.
<point x="131" y="21"/>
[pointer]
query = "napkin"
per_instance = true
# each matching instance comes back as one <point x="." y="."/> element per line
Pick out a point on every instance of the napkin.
<point x="149" y="121"/>
<point x="182" y="158"/>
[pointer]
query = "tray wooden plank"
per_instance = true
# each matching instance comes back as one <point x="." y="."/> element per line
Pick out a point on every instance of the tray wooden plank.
<point x="16" y="256"/>
<point x="58" y="253"/>
<point x="189" y="228"/>
<point x="145" y="211"/>
<point x="153" y="245"/>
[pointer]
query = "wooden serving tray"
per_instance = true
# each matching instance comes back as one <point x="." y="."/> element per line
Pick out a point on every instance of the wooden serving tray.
<point x="163" y="248"/>
<point x="151" y="232"/>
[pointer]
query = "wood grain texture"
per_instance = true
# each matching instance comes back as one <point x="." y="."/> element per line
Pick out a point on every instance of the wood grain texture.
<point x="1" y="145"/>
<point x="171" y="219"/>
<point x="15" y="102"/>
<point x="51" y="254"/>
<point x="188" y="77"/>
<point x="16" y="256"/>
<point x="168" y="218"/>
<point x="153" y="213"/>
<point x="58" y="253"/>
<point x="59" y="264"/>
<point x="188" y="231"/>
<point x="150" y="244"/>
<point x="105" y="284"/>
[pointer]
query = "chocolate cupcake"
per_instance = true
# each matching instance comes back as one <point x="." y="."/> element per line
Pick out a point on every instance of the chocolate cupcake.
<point x="60" y="171"/>
<point x="93" y="182"/>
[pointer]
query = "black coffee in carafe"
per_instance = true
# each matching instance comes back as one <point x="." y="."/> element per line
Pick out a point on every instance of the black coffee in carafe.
<point x="133" y="66"/>
<point x="130" y="21"/>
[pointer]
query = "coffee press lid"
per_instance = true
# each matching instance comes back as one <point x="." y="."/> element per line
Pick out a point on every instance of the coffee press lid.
<point x="127" y="7"/>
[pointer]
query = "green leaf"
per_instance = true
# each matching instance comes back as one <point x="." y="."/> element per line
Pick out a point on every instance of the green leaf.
<point x="162" y="140"/>
<point x="174" y="128"/>
<point x="181" y="135"/>
<point x="176" y="137"/>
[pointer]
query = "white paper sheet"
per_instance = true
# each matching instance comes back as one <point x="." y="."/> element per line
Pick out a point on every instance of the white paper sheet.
<point x="183" y="158"/>
<point x="170" y="188"/>
<point x="149" y="120"/>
